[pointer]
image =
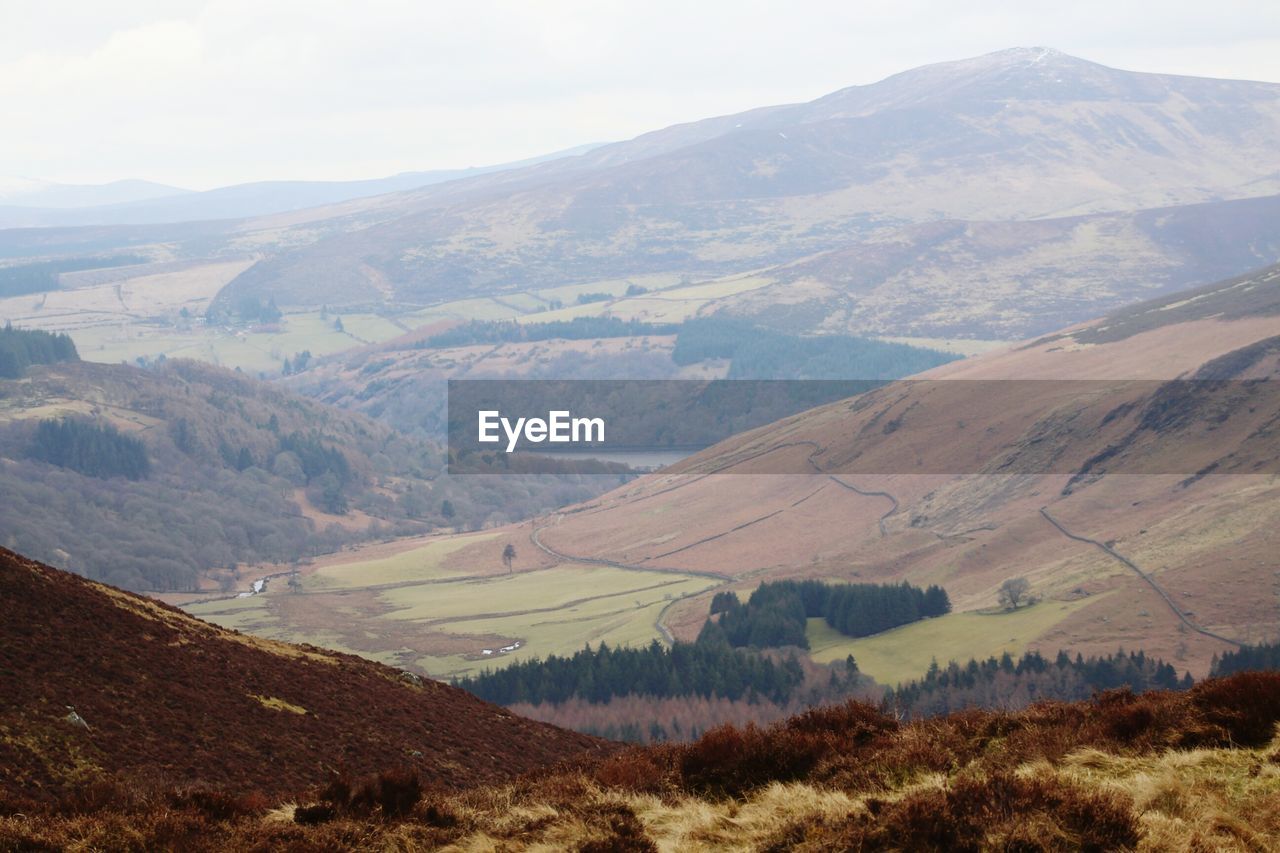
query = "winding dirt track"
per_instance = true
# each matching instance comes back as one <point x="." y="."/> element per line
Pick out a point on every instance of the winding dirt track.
<point x="1177" y="611"/>
<point x="536" y="535"/>
<point x="722" y="580"/>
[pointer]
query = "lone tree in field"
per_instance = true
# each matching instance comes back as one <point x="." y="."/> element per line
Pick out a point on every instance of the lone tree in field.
<point x="1014" y="593"/>
<point x="508" y="555"/>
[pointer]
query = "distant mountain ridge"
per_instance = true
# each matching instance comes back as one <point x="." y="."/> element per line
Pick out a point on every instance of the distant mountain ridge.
<point x="142" y="202"/>
<point x="28" y="192"/>
<point x="1015" y="136"/>
<point x="994" y="197"/>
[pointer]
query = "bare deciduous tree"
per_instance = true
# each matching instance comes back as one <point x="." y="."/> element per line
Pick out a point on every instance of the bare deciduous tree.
<point x="1014" y="592"/>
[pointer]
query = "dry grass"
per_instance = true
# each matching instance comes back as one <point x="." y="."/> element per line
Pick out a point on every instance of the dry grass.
<point x="1171" y="771"/>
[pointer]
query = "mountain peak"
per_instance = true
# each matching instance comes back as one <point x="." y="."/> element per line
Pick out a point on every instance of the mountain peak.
<point x="1032" y="55"/>
<point x="1041" y="74"/>
<point x="1032" y="61"/>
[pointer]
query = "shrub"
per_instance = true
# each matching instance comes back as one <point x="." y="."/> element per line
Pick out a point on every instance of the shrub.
<point x="1246" y="705"/>
<point x="395" y="793"/>
<point x="730" y="761"/>
<point x="392" y="794"/>
<point x="1002" y="811"/>
<point x="635" y="770"/>
<point x="219" y="805"/>
<point x="315" y="813"/>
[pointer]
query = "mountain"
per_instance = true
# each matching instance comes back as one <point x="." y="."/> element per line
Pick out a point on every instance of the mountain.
<point x="140" y="202"/>
<point x="28" y="192"/>
<point x="163" y="699"/>
<point x="1135" y="497"/>
<point x="1024" y="151"/>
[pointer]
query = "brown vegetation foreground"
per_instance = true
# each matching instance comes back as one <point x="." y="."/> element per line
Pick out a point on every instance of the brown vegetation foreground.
<point x="1162" y="771"/>
<point x="163" y="700"/>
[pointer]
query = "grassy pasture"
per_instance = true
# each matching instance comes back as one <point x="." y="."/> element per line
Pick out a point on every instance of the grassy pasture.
<point x="582" y="604"/>
<point x="667" y="301"/>
<point x="558" y="589"/>
<point x="719" y="288"/>
<point x="254" y="351"/>
<point x="905" y="653"/>
<point x="415" y="607"/>
<point x="416" y="564"/>
<point x="614" y="287"/>
<point x="243" y="614"/>
<point x="482" y="308"/>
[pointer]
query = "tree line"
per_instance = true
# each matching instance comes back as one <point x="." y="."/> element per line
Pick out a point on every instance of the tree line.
<point x="1004" y="682"/>
<point x="776" y="614"/>
<point x="42" y="276"/>
<point x="753" y="352"/>
<point x="577" y="329"/>
<point x="704" y="668"/>
<point x="96" y="450"/>
<point x="1258" y="657"/>
<point x="21" y="348"/>
<point x="759" y="353"/>
<point x="1008" y="683"/>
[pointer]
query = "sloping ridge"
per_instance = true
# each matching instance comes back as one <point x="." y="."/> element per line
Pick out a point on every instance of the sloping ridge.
<point x="1156" y="447"/>
<point x="955" y="140"/>
<point x="166" y="699"/>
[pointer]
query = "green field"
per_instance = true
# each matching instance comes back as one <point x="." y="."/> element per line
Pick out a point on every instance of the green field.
<point x="443" y="622"/>
<point x="569" y="293"/>
<point x="719" y="288"/>
<point x="247" y="350"/>
<point x="415" y="564"/>
<point x="667" y="301"/>
<point x="551" y="611"/>
<point x="481" y="308"/>
<point x="242" y="614"/>
<point x="905" y="653"/>
<point x="560" y="589"/>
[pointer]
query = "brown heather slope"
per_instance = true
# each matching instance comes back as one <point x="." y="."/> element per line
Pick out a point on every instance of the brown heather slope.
<point x="1194" y="770"/>
<point x="927" y="482"/>
<point x="173" y="701"/>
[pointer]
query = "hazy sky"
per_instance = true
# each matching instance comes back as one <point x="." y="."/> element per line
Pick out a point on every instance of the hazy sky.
<point x="200" y="94"/>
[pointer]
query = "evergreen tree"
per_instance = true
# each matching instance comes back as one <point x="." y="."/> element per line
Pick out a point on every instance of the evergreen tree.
<point x="91" y="449"/>
<point x="21" y="348"/>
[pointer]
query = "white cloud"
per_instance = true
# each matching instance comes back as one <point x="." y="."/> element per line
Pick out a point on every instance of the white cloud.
<point x="203" y="93"/>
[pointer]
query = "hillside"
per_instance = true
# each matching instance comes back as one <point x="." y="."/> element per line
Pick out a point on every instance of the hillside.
<point x="1096" y="487"/>
<point x="988" y="199"/>
<point x="168" y="700"/>
<point x="1025" y="165"/>
<point x="1006" y="280"/>
<point x="1160" y="771"/>
<point x="1138" y="509"/>
<point x="235" y="472"/>
<point x="402" y="381"/>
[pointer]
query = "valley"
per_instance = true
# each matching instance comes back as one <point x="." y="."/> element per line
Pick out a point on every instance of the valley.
<point x="1012" y="585"/>
<point x="1126" y="560"/>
